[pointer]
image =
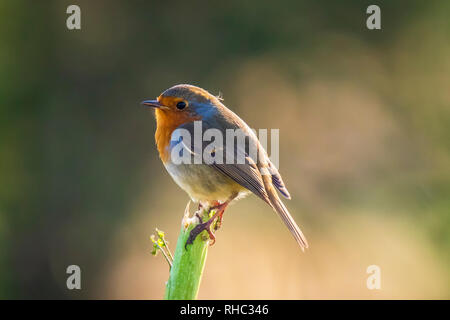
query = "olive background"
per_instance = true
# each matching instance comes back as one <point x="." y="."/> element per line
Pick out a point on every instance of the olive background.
<point x="364" y="145"/>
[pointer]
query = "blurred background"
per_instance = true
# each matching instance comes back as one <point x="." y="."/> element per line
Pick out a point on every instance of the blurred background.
<point x="364" y="120"/>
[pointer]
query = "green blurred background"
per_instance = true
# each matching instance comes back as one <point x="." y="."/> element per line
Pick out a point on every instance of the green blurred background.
<point x="365" y="145"/>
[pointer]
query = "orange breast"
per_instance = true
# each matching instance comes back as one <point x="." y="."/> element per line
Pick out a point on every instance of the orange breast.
<point x="166" y="122"/>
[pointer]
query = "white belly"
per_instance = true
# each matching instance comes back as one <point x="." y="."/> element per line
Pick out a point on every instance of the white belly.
<point x="203" y="183"/>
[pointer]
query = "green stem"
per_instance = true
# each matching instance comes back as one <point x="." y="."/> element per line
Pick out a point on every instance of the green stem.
<point x="188" y="264"/>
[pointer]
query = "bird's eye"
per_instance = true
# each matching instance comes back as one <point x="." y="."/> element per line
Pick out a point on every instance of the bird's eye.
<point x="181" y="105"/>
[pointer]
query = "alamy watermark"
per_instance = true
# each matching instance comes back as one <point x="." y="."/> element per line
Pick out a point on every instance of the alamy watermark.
<point x="73" y="21"/>
<point x="373" y="21"/>
<point x="74" y="280"/>
<point x="230" y="146"/>
<point x="374" y="280"/>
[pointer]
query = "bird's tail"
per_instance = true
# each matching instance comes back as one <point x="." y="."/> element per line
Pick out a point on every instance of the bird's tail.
<point x="280" y="208"/>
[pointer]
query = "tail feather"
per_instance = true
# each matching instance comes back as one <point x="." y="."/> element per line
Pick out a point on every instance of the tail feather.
<point x="275" y="202"/>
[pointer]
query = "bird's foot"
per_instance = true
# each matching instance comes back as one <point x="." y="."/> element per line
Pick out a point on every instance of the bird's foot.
<point x="205" y="226"/>
<point x="220" y="208"/>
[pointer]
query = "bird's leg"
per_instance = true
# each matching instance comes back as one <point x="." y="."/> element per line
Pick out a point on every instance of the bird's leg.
<point x="220" y="210"/>
<point x="207" y="225"/>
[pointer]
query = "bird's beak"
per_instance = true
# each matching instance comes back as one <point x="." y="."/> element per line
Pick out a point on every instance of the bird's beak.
<point x="153" y="104"/>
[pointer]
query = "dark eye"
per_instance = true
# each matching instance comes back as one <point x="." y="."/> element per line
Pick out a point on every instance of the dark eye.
<point x="181" y="105"/>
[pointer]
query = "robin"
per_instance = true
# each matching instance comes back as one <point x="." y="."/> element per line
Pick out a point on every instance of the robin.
<point x="214" y="184"/>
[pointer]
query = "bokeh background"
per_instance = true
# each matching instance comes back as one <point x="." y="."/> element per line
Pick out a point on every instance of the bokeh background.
<point x="364" y="120"/>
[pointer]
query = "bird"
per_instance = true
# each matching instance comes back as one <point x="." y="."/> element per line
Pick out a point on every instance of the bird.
<point x="215" y="184"/>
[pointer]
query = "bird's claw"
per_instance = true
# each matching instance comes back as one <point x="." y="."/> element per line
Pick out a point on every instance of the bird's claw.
<point x="220" y="208"/>
<point x="198" y="229"/>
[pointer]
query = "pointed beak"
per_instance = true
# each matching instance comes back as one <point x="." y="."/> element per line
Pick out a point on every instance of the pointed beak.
<point x="152" y="103"/>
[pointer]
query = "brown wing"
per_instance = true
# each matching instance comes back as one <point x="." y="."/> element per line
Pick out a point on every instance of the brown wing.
<point x="246" y="174"/>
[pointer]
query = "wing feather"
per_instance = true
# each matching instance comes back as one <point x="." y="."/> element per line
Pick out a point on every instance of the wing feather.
<point x="247" y="174"/>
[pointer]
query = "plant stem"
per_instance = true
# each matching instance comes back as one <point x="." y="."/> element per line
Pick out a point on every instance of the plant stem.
<point x="188" y="264"/>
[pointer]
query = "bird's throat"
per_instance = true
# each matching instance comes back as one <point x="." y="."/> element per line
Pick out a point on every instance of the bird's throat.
<point x="166" y="122"/>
